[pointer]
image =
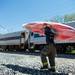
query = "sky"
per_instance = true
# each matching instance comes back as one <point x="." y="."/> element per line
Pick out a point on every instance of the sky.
<point x="14" y="13"/>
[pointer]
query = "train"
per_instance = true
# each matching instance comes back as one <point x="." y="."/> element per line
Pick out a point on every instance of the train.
<point x="31" y="38"/>
<point x="64" y="40"/>
<point x="20" y="40"/>
<point x="14" y="40"/>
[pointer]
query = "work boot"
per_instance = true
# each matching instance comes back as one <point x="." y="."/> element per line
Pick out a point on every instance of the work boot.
<point x="52" y="70"/>
<point x="44" y="67"/>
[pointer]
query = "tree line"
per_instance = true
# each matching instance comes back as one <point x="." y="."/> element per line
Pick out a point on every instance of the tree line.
<point x="63" y="19"/>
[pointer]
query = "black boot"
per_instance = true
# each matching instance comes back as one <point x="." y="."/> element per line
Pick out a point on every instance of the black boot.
<point x="52" y="70"/>
<point x="44" y="67"/>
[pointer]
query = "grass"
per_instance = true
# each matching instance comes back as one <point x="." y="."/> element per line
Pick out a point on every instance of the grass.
<point x="73" y="51"/>
<point x="70" y="52"/>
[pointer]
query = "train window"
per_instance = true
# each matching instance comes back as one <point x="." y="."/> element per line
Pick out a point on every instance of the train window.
<point x="36" y="35"/>
<point x="23" y="34"/>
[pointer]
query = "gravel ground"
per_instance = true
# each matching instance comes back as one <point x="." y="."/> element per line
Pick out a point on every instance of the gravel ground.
<point x="24" y="64"/>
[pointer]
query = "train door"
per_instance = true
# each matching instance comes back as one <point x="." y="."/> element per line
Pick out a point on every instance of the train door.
<point x="22" y="40"/>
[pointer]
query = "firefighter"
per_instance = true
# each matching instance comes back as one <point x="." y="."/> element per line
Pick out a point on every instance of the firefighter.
<point x="49" y="50"/>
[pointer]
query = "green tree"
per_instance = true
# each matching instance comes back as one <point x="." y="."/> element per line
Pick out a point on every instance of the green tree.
<point x="69" y="17"/>
<point x="63" y="19"/>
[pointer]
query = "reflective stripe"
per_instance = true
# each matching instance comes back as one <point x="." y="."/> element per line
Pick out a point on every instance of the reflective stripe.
<point x="45" y="53"/>
<point x="45" y="63"/>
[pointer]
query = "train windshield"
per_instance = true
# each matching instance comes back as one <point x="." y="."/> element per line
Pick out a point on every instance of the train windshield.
<point x="36" y="35"/>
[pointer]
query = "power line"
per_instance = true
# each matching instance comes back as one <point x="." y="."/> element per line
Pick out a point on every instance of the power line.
<point x="3" y="27"/>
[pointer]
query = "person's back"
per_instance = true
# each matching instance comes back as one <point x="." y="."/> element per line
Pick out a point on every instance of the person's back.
<point x="49" y="35"/>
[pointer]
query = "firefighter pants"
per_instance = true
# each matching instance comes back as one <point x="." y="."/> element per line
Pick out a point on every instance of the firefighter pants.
<point x="49" y="51"/>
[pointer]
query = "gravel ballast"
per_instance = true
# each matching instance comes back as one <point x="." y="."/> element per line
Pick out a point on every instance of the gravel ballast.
<point x="28" y="64"/>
